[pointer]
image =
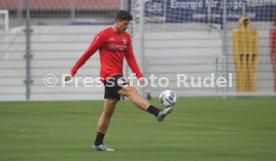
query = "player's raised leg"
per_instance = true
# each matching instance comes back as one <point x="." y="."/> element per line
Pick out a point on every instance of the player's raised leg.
<point x="141" y="103"/>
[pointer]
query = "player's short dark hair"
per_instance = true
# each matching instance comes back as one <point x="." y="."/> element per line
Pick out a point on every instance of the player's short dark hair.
<point x="123" y="15"/>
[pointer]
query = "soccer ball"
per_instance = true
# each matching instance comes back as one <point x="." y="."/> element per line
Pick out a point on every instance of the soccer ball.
<point x="167" y="98"/>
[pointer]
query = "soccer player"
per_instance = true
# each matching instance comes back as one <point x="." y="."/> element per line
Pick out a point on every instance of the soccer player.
<point x="114" y="44"/>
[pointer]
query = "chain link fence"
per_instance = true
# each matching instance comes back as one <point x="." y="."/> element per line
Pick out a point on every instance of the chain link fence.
<point x="171" y="38"/>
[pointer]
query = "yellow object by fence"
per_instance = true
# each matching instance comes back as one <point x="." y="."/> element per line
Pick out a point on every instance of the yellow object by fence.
<point x="245" y="50"/>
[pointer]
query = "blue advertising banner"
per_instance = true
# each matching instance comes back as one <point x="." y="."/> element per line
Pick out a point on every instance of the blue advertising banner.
<point x="209" y="10"/>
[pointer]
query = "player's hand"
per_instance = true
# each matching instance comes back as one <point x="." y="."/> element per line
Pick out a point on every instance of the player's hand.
<point x="142" y="81"/>
<point x="68" y="77"/>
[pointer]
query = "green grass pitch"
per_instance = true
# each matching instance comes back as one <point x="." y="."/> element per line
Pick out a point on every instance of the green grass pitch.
<point x="199" y="129"/>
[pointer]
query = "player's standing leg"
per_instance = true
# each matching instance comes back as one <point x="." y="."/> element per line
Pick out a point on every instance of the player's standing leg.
<point x="103" y="123"/>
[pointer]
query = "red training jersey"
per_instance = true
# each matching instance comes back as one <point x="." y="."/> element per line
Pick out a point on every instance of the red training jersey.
<point x="113" y="48"/>
<point x="273" y="41"/>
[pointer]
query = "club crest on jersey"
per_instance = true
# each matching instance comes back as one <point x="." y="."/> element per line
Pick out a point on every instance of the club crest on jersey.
<point x="112" y="48"/>
<point x="124" y="41"/>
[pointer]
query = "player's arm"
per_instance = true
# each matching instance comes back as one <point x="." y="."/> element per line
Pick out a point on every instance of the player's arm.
<point x="93" y="47"/>
<point x="132" y="62"/>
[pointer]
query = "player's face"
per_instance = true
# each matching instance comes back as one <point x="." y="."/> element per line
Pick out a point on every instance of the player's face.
<point x="122" y="25"/>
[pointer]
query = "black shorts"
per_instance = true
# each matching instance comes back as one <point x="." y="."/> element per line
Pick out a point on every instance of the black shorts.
<point x="112" y="85"/>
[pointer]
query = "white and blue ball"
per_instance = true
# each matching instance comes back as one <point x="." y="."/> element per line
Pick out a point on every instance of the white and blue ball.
<point x="167" y="98"/>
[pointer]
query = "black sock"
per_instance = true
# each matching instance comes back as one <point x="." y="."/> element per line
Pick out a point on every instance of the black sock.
<point x="153" y="110"/>
<point x="99" y="138"/>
